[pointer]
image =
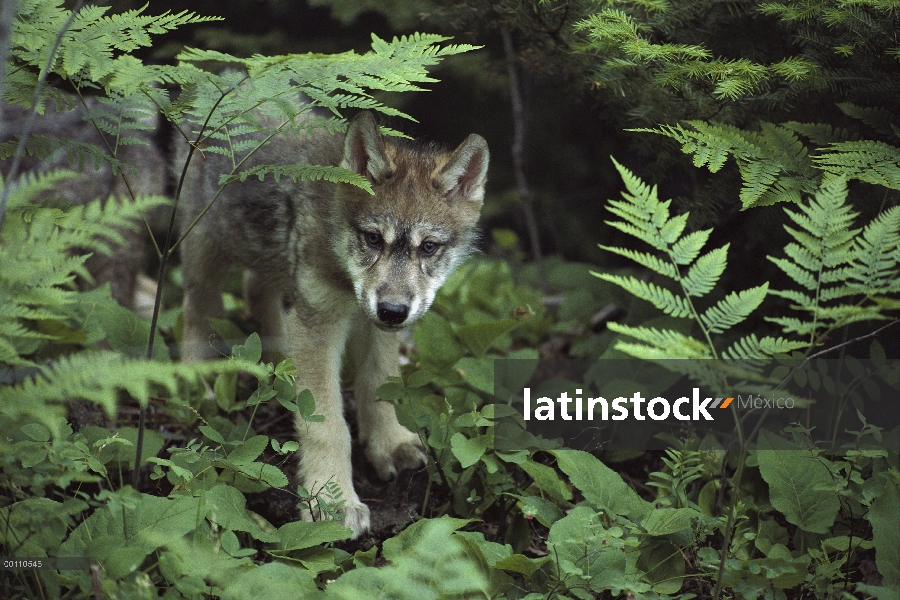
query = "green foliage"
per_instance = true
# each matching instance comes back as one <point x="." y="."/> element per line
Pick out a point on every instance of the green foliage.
<point x="844" y="275"/>
<point x="774" y="164"/>
<point x="648" y="219"/>
<point x="65" y="492"/>
<point x="199" y="538"/>
<point x="630" y="47"/>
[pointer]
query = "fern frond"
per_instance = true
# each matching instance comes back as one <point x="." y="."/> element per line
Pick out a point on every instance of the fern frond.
<point x="93" y="42"/>
<point x="836" y="262"/>
<point x="98" y="376"/>
<point x="703" y="275"/>
<point x="820" y="134"/>
<point x="653" y="263"/>
<point x="880" y="119"/>
<point x="301" y="173"/>
<point x="758" y="178"/>
<point x="711" y="145"/>
<point x="659" y="344"/>
<point x="753" y="348"/>
<point x="661" y="298"/>
<point x="774" y="164"/>
<point x="867" y="160"/>
<point x="733" y="309"/>
<point x="685" y="250"/>
<point x="77" y="152"/>
<point x="874" y="268"/>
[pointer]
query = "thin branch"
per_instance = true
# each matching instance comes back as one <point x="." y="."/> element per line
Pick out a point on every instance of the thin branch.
<point x="160" y="280"/>
<point x="518" y="152"/>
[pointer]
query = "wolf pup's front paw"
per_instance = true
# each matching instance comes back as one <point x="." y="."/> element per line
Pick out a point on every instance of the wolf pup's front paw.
<point x="355" y="516"/>
<point x="395" y="450"/>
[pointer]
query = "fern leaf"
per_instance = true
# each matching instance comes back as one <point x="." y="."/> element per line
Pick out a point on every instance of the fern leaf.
<point x="752" y="348"/>
<point x="867" y="160"/>
<point x="820" y="134"/>
<point x="661" y="298"/>
<point x="793" y="325"/>
<point x="685" y="250"/>
<point x="796" y="272"/>
<point x="733" y="309"/>
<point x="880" y="119"/>
<point x="876" y="255"/>
<point x="705" y="273"/>
<point x="799" y="298"/>
<point x="659" y="344"/>
<point x="98" y="376"/>
<point x="645" y="216"/>
<point x="653" y="263"/>
<point x="758" y="176"/>
<point x="301" y="173"/>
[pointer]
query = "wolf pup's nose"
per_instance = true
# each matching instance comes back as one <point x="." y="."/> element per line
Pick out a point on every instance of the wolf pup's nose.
<point x="392" y="314"/>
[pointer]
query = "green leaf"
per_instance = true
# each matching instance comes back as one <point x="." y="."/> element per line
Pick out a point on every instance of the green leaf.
<point x="249" y="450"/>
<point x="685" y="250"/>
<point x="226" y="507"/>
<point x="37" y="432"/>
<point x="250" y="351"/>
<point x="703" y="276"/>
<point x="664" y="521"/>
<point x="225" y="389"/>
<point x="548" y="480"/>
<point x="601" y="486"/>
<point x="438" y="344"/>
<point x="418" y="532"/>
<point x="212" y="434"/>
<point x="479" y="337"/>
<point x="661" y="298"/>
<point x="467" y="451"/>
<point x="302" y="534"/>
<point x="733" y="309"/>
<point x="883" y="517"/>
<point x="546" y="512"/>
<point x="794" y="475"/>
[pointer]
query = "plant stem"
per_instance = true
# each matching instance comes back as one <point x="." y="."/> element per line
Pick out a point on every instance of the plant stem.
<point x="518" y="154"/>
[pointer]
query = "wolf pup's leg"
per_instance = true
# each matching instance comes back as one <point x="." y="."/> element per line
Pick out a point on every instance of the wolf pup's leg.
<point x="316" y="340"/>
<point x="266" y="304"/>
<point x="390" y="447"/>
<point x="204" y="276"/>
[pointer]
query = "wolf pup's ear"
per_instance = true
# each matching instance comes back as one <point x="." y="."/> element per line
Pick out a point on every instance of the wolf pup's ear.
<point x="464" y="175"/>
<point x="364" y="149"/>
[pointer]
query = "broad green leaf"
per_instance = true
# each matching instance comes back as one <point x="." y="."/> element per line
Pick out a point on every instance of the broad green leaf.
<point x="467" y="450"/>
<point x="250" y="351"/>
<point x="601" y="486"/>
<point x="37" y="432"/>
<point x="883" y="517"/>
<point x="663" y="521"/>
<point x="479" y="337"/>
<point x="548" y="480"/>
<point x="302" y="534"/>
<point x="249" y="450"/>
<point x="226" y="507"/>
<point x="437" y="343"/>
<point x="793" y="475"/>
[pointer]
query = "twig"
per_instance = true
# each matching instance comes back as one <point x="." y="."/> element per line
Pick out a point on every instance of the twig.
<point x="518" y="153"/>
<point x="160" y="280"/>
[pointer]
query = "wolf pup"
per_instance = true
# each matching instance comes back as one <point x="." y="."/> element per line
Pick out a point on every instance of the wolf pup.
<point x="331" y="266"/>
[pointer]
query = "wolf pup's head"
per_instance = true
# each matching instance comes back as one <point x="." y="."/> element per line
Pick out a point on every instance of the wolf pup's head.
<point x="401" y="244"/>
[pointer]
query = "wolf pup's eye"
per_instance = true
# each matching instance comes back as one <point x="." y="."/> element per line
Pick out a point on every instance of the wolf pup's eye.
<point x="374" y="239"/>
<point x="428" y="248"/>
